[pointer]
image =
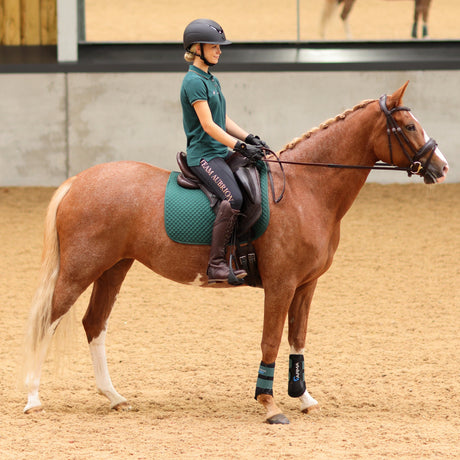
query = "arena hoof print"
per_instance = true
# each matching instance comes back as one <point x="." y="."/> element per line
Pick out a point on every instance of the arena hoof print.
<point x="278" y="419"/>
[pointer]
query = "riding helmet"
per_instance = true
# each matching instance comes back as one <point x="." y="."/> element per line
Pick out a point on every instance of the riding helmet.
<point x="204" y="31"/>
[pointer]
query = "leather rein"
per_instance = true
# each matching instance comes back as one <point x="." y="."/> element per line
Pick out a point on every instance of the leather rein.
<point x="415" y="166"/>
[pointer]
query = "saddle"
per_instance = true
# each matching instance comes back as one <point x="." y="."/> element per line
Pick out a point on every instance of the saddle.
<point x="248" y="178"/>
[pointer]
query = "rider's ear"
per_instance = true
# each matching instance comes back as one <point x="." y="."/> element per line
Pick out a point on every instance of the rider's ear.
<point x="395" y="100"/>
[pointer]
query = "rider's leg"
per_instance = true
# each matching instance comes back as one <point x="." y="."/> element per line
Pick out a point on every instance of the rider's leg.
<point x="219" y="179"/>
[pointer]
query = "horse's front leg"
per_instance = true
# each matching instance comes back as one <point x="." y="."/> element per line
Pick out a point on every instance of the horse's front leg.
<point x="277" y="302"/>
<point x="298" y="320"/>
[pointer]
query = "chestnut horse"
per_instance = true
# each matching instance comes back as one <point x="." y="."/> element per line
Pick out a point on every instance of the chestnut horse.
<point x="104" y="218"/>
<point x="328" y="10"/>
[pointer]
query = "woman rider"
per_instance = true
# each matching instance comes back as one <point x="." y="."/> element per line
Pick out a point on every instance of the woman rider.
<point x="210" y="133"/>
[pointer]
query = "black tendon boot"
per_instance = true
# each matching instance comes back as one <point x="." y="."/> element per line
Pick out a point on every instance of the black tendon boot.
<point x="223" y="227"/>
<point x="425" y="31"/>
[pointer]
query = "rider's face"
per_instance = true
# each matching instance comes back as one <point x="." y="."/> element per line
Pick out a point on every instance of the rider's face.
<point x="212" y="52"/>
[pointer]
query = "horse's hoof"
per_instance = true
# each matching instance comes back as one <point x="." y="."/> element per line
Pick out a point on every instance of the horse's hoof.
<point x="33" y="410"/>
<point x="123" y="406"/>
<point x="278" y="419"/>
<point x="309" y="409"/>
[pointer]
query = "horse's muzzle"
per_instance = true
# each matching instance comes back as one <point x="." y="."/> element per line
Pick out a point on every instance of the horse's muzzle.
<point x="436" y="171"/>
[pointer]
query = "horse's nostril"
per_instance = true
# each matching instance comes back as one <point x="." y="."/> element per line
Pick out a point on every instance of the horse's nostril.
<point x="445" y="169"/>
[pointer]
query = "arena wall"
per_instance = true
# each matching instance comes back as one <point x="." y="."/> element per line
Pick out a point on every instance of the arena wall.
<point x="54" y="125"/>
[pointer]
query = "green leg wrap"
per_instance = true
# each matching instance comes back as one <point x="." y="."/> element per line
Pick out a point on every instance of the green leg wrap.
<point x="265" y="379"/>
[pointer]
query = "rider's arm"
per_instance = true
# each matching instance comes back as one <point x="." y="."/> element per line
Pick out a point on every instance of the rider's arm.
<point x="235" y="130"/>
<point x="215" y="131"/>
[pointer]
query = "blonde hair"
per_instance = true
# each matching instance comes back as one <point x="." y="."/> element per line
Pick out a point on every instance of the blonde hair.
<point x="189" y="55"/>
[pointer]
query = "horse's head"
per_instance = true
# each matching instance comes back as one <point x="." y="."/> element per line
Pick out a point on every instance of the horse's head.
<point x="407" y="144"/>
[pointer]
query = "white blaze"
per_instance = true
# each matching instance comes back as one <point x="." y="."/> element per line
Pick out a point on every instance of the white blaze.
<point x="437" y="152"/>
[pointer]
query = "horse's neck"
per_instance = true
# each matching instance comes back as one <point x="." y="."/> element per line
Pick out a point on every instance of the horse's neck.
<point x="344" y="142"/>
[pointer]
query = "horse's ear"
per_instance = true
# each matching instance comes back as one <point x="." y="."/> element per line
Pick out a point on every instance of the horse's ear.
<point x="395" y="100"/>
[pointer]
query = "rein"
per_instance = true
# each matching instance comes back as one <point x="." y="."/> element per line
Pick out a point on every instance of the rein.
<point x="415" y="166"/>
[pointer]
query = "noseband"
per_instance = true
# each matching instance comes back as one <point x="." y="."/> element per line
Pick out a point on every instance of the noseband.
<point x="414" y="156"/>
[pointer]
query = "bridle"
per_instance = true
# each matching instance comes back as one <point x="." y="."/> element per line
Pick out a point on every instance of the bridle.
<point x="428" y="148"/>
<point x="412" y="154"/>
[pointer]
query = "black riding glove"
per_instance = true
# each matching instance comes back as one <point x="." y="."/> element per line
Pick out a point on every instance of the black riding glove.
<point x="252" y="152"/>
<point x="256" y="140"/>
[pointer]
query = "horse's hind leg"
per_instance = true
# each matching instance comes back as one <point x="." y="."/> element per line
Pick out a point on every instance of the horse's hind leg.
<point x="347" y="28"/>
<point x="298" y="320"/>
<point x="328" y="10"/>
<point x="426" y="9"/>
<point x="348" y="4"/>
<point x="419" y="10"/>
<point x="103" y="297"/>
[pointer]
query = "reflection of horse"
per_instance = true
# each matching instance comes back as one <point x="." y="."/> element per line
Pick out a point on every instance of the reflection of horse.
<point x="103" y="219"/>
<point x="422" y="7"/>
<point x="329" y="7"/>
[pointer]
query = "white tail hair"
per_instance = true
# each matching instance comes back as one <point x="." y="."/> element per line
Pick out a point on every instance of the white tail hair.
<point x="39" y="328"/>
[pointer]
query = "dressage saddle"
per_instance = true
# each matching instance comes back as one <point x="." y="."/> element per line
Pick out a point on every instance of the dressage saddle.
<point x="248" y="178"/>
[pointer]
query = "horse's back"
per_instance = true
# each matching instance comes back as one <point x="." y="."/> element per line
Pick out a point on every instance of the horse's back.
<point x="121" y="182"/>
<point x="114" y="174"/>
<point x="116" y="199"/>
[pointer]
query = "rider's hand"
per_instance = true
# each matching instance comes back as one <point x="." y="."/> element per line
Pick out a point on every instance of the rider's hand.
<point x="253" y="152"/>
<point x="256" y="140"/>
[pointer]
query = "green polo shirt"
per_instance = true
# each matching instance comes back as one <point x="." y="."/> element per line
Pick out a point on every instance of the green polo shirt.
<point x="201" y="86"/>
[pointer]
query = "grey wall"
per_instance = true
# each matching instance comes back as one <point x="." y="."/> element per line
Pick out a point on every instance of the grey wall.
<point x="55" y="125"/>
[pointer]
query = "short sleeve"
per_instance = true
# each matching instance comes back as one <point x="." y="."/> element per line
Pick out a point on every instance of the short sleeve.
<point x="195" y="90"/>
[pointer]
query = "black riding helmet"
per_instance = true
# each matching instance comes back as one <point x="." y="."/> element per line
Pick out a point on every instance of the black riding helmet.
<point x="204" y="31"/>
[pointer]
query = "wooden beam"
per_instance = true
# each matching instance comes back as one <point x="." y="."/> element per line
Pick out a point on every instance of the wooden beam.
<point x="48" y="21"/>
<point x="1" y="22"/>
<point x="11" y="22"/>
<point x="30" y="22"/>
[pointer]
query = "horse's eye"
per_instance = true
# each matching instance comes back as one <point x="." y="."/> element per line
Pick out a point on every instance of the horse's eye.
<point x="410" y="127"/>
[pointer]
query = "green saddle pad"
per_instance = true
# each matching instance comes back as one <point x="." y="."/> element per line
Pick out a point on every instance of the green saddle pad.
<point x="189" y="218"/>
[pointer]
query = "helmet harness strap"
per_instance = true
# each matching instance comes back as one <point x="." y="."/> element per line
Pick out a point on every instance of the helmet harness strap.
<point x="201" y="56"/>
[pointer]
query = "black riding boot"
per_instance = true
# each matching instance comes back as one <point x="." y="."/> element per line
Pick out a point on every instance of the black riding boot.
<point x="223" y="227"/>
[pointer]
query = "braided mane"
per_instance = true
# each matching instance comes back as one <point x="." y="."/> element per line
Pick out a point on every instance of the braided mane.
<point x="326" y="125"/>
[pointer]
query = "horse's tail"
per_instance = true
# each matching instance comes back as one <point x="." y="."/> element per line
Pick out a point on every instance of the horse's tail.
<point x="39" y="329"/>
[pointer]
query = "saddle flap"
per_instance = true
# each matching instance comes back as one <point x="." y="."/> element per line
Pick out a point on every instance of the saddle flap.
<point x="189" y="217"/>
<point x="247" y="176"/>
